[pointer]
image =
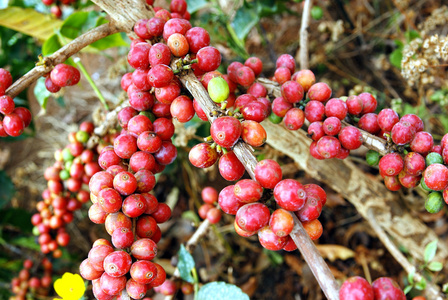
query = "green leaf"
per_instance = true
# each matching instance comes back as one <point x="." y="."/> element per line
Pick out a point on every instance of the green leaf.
<point x="26" y="242"/>
<point x="6" y="187"/>
<point x="191" y="216"/>
<point x="435" y="266"/>
<point x="395" y="57"/>
<point x="421" y="285"/>
<point x="51" y="45"/>
<point x="275" y="257"/>
<point x="195" y="5"/>
<point x="185" y="265"/>
<point x="407" y="289"/>
<point x="16" y="217"/>
<point x="411" y="34"/>
<point x="245" y="18"/>
<point x="73" y="25"/>
<point x="41" y="93"/>
<point x="221" y="291"/>
<point x="430" y="251"/>
<point x="29" y="22"/>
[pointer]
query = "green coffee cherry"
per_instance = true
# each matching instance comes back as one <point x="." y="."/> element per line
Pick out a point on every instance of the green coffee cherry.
<point x="372" y="158"/>
<point x="148" y="114"/>
<point x="64" y="174"/>
<point x="434" y="203"/>
<point x="218" y="89"/>
<point x="433" y="158"/>
<point x="317" y="13"/>
<point x="82" y="136"/>
<point x="67" y="155"/>
<point x="275" y="119"/>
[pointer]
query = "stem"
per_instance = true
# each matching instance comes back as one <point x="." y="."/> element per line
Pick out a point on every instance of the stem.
<point x="304" y="63"/>
<point x="61" y="56"/>
<point x="91" y="82"/>
<point x="196" y="282"/>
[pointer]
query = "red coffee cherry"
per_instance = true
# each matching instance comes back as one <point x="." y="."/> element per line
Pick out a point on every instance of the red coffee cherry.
<point x="391" y="164"/>
<point x="255" y="64"/>
<point x="178" y="44"/>
<point x="306" y="79"/>
<point x="268" y="173"/>
<point x="336" y="108"/>
<point x="117" y="263"/>
<point x="252" y="217"/>
<point x="162" y="214"/>
<point x="159" y="54"/>
<point x="112" y="285"/>
<point x="290" y="194"/>
<point x="386" y="288"/>
<point x="354" y="105"/>
<point x="369" y="103"/>
<point x="228" y="201"/>
<point x="134" y="206"/>
<point x="6" y="105"/>
<point x="414" y="121"/>
<point x="225" y="131"/>
<point x="98" y="254"/>
<point x="281" y="222"/>
<point x="197" y="38"/>
<point x="314" y="111"/>
<point x="356" y="288"/>
<point x="117" y="220"/>
<point x="209" y="195"/>
<point x="269" y="240"/>
<point x="294" y="119"/>
<point x="402" y="133"/>
<point x="287" y="61"/>
<point x="182" y="109"/>
<point x="230" y="167"/>
<point x="350" y="138"/>
<point x="248" y="191"/>
<point x="332" y="125"/>
<point x="369" y="123"/>
<point x="203" y="155"/>
<point x="422" y="142"/>
<point x="436" y="177"/>
<point x="65" y="75"/>
<point x="110" y="200"/>
<point x="253" y="133"/>
<point x="320" y="92"/>
<point x="282" y="75"/>
<point x="328" y="147"/>
<point x="292" y="91"/>
<point x="136" y="290"/>
<point x="146" y="227"/>
<point x="387" y="118"/>
<point x="209" y="59"/>
<point x="143" y="271"/>
<point x="144" y="248"/>
<point x="125" y="183"/>
<point x="414" y="164"/>
<point x="88" y="272"/>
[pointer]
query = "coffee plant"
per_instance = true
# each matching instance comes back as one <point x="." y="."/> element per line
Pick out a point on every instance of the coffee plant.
<point x="174" y="77"/>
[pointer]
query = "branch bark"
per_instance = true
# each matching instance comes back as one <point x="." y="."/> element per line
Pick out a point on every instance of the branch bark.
<point x="303" y="54"/>
<point x="61" y="56"/>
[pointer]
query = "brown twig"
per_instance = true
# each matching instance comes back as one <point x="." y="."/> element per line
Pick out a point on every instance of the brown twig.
<point x="303" y="54"/>
<point x="61" y="56"/>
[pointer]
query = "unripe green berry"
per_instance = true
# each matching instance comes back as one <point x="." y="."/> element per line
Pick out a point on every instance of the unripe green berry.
<point x="82" y="136"/>
<point x="67" y="155"/>
<point x="434" y="203"/>
<point x="36" y="231"/>
<point x="64" y="174"/>
<point x="424" y="186"/>
<point x="218" y="89"/>
<point x="148" y="114"/>
<point x="275" y="119"/>
<point x="372" y="158"/>
<point x="433" y="158"/>
<point x="68" y="164"/>
<point x="317" y="13"/>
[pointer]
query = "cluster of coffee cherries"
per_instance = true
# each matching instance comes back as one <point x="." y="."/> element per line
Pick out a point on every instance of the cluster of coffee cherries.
<point x="32" y="282"/>
<point x="249" y="200"/>
<point x="13" y="120"/>
<point x="357" y="288"/>
<point x="62" y="75"/>
<point x="122" y="201"/>
<point x="74" y="166"/>
<point x="208" y="210"/>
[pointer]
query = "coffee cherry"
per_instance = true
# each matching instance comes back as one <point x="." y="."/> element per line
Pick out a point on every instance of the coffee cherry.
<point x="313" y="228"/>
<point x="98" y="254"/>
<point x="136" y="290"/>
<point x="248" y="191"/>
<point x="282" y="75"/>
<point x="391" y="164"/>
<point x="320" y="92"/>
<point x="268" y="173"/>
<point x="332" y="126"/>
<point x="65" y="75"/>
<point x="228" y="201"/>
<point x="289" y="194"/>
<point x="328" y="147"/>
<point x="314" y="111"/>
<point x="287" y="61"/>
<point x="402" y="133"/>
<point x="218" y="89"/>
<point x="117" y="263"/>
<point x="209" y="59"/>
<point x="292" y="91"/>
<point x="6" y="105"/>
<point x="197" y="38"/>
<point x="117" y="220"/>
<point x="387" y="118"/>
<point x="143" y="271"/>
<point x="336" y="108"/>
<point x="88" y="272"/>
<point x="112" y="285"/>
<point x="252" y="217"/>
<point x="407" y="180"/>
<point x="160" y="75"/>
<point x="385" y="288"/>
<point x="146" y="227"/>
<point x="178" y="44"/>
<point x="281" y="222"/>
<point x="214" y="215"/>
<point x="253" y="133"/>
<point x="245" y="76"/>
<point x="369" y="103"/>
<point x="162" y="214"/>
<point x="294" y="119"/>
<point x="369" y="123"/>
<point x="414" y="164"/>
<point x="311" y="209"/>
<point x="209" y="195"/>
<point x="433" y="158"/>
<point x="436" y="177"/>
<point x="255" y="64"/>
<point x="356" y="288"/>
<point x="414" y="121"/>
<point x="422" y="142"/>
<point x="225" y="131"/>
<point x="350" y="138"/>
<point x="305" y="78"/>
<point x="166" y="154"/>
<point x="110" y="200"/>
<point x="134" y="206"/>
<point x="144" y="249"/>
<point x="164" y="128"/>
<point x="159" y="54"/>
<point x="230" y="167"/>
<point x="269" y="240"/>
<point x="13" y="124"/>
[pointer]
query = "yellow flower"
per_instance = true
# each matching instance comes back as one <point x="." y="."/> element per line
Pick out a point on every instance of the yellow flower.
<point x="69" y="287"/>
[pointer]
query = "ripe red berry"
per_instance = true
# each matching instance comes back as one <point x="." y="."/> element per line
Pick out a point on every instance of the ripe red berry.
<point x="328" y="147"/>
<point x="203" y="155"/>
<point x="253" y="216"/>
<point x="13" y="124"/>
<point x="6" y="105"/>
<point x="125" y="183"/>
<point x="268" y="173"/>
<point x="369" y="103"/>
<point x="117" y="263"/>
<point x="292" y="91"/>
<point x="436" y="177"/>
<point x="422" y="142"/>
<point x="294" y="119"/>
<point x="287" y="61"/>
<point x="336" y="108"/>
<point x="391" y="164"/>
<point x="314" y="111"/>
<point x="356" y="288"/>
<point x="369" y="123"/>
<point x="354" y="105"/>
<point x="143" y="271"/>
<point x="225" y="131"/>
<point x="385" y="288"/>
<point x="350" y="138"/>
<point x="290" y="194"/>
<point x="255" y="64"/>
<point x="228" y="201"/>
<point x="320" y="92"/>
<point x="230" y="167"/>
<point x="248" y="191"/>
<point x="281" y="222"/>
<point x="306" y="79"/>
<point x="208" y="58"/>
<point x="402" y="133"/>
<point x="197" y="38"/>
<point x="144" y="248"/>
<point x="387" y="118"/>
<point x="269" y="240"/>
